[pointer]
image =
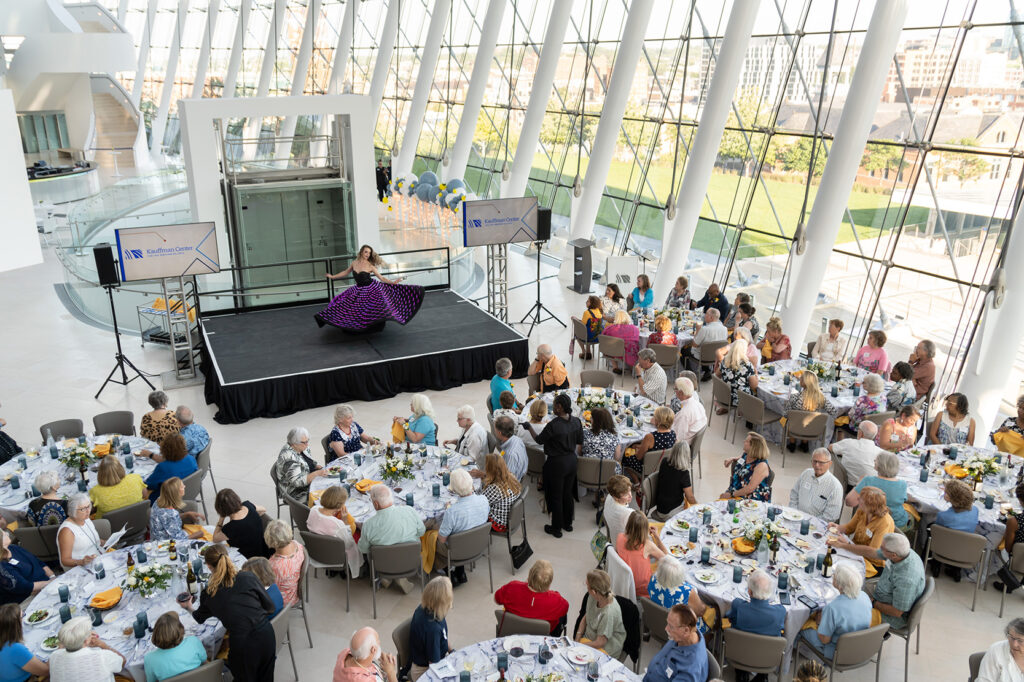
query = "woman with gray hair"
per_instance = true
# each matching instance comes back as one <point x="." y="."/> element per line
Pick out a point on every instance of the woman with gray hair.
<point x="78" y="541"/>
<point x="159" y="421"/>
<point x="347" y="435"/>
<point x="472" y="442"/>
<point x="1004" y="660"/>
<point x="849" y="612"/>
<point x="49" y="509"/>
<point x="295" y="468"/>
<point x="83" y="656"/>
<point x="674" y="483"/>
<point x="887" y="466"/>
<point x="871" y="402"/>
<point x="287" y="560"/>
<point x="668" y="587"/>
<point x="501" y="382"/>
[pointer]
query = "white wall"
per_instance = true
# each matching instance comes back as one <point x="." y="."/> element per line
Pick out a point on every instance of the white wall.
<point x="18" y="232"/>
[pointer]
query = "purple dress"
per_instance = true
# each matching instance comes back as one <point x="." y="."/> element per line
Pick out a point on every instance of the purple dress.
<point x="371" y="303"/>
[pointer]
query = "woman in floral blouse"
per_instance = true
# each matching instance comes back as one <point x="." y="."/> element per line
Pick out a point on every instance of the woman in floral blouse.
<point x="165" y="519"/>
<point x="601" y="440"/>
<point x="662" y="332"/>
<point x="871" y="402"/>
<point x="612" y="302"/>
<point x="287" y="559"/>
<point x="737" y="371"/>
<point x="749" y="474"/>
<point x="347" y="435"/>
<point x="679" y="295"/>
<point x="903" y="391"/>
<point x="501" y="489"/>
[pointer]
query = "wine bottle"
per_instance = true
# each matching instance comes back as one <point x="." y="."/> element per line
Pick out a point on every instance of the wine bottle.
<point x="774" y="548"/>
<point x="172" y="552"/>
<point x="192" y="581"/>
<point x="130" y="563"/>
<point x="826" y="566"/>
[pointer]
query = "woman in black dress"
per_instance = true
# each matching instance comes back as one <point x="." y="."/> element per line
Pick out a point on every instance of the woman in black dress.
<point x="562" y="439"/>
<point x="239" y="601"/>
<point x="240" y="524"/>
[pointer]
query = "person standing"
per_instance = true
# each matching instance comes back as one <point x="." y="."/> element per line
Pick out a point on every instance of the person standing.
<point x="562" y="439"/>
<point x="383" y="179"/>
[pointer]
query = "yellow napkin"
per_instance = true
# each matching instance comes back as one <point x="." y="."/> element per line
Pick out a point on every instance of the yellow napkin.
<point x="1009" y="441"/>
<point x="70" y="442"/>
<point x="397" y="433"/>
<point x="955" y="470"/>
<point x="106" y="599"/>
<point x="743" y="546"/>
<point x="843" y="420"/>
<point x="364" y="485"/>
<point x="193" y="527"/>
<point x="428" y="548"/>
<point x="101" y="449"/>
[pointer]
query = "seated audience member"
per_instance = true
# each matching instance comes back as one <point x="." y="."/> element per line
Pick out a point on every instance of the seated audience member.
<point x="421" y="425"/>
<point x="922" y="359"/>
<point x="601" y="439"/>
<point x="17" y="662"/>
<point x="637" y="546"/>
<point x="662" y="438"/>
<point x="679" y="294"/>
<point x="469" y="511"/>
<point x="428" y="632"/>
<point x="1004" y="660"/>
<point x="9" y="448"/>
<point x="902" y="391"/>
<point x="472" y="442"/>
<point x="729" y="318"/>
<point x="329" y="517"/>
<point x="240" y="524"/>
<point x="535" y="598"/>
<point x="662" y="332"/>
<point x="690" y="415"/>
<point x="259" y="566"/>
<point x="684" y="657"/>
<point x="347" y="435"/>
<point x="857" y="455"/>
<point x="737" y="371"/>
<point x="593" y="320"/>
<point x="286" y="560"/>
<point x="538" y="418"/>
<point x="616" y="506"/>
<point x="668" y="587"/>
<point x="50" y="508"/>
<point x="818" y="492"/>
<point x="829" y="346"/>
<point x="159" y="422"/>
<point x="501" y="489"/>
<point x="872" y="401"/>
<point x="622" y="327"/>
<point x="758" y="615"/>
<point x="1009" y="437"/>
<point x="866" y="529"/>
<point x="954" y="425"/>
<point x="175" y="653"/>
<point x="774" y="345"/>
<point x="811" y="671"/>
<point x="551" y="370"/>
<point x="172" y="461"/>
<point x="749" y="473"/>
<point x="295" y="467"/>
<point x="713" y="298"/>
<point x="601" y="626"/>
<point x="899" y="433"/>
<point x="365" y="660"/>
<point x="115" y="488"/>
<point x="743" y="318"/>
<point x="167" y="516"/>
<point x="900" y="584"/>
<point x="811" y="399"/>
<point x="511" y="447"/>
<point x="612" y="302"/>
<point x="500" y="382"/>
<point x="390" y="525"/>
<point x="508" y="407"/>
<point x="712" y="331"/>
<point x="642" y="295"/>
<point x="849" y="612"/>
<point x="83" y="656"/>
<point x="887" y="469"/>
<point x="1014" y="532"/>
<point x="675" y="486"/>
<point x="195" y="435"/>
<point x="872" y="356"/>
<point x="21" y="573"/>
<point x="78" y="541"/>
<point x="651" y="380"/>
<point x="962" y="515"/>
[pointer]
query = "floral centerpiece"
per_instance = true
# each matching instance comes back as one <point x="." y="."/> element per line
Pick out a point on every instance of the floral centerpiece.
<point x="821" y="370"/>
<point x="78" y="456"/>
<point x="149" y="578"/>
<point x="396" y="467"/>
<point x="978" y="464"/>
<point x="674" y="314"/>
<point x="755" y="529"/>
<point x="589" y="401"/>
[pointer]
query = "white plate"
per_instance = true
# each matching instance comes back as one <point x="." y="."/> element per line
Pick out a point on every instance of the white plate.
<point x="511" y="643"/>
<point x="580" y="655"/>
<point x="42" y="645"/>
<point x="793" y="515"/>
<point x="52" y="613"/>
<point x="707" y="577"/>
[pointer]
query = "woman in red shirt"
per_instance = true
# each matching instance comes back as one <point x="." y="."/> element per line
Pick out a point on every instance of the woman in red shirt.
<point x="637" y="547"/>
<point x="535" y="598"/>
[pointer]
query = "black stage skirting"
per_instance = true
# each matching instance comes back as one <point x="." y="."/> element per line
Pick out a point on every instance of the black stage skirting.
<point x="271" y="363"/>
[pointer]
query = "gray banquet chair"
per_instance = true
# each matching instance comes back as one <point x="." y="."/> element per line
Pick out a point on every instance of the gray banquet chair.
<point x="121" y="422"/>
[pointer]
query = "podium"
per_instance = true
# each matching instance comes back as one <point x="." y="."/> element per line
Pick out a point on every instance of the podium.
<point x="582" y="265"/>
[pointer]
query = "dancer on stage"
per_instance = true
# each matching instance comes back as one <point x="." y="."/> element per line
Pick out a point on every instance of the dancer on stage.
<point x="372" y="302"/>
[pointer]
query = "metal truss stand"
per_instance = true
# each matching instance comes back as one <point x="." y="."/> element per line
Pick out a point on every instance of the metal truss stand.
<point x="119" y="359"/>
<point x="497" y="281"/>
<point x="538" y="310"/>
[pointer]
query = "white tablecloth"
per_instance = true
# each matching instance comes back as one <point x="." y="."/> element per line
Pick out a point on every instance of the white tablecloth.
<point x="598" y="397"/>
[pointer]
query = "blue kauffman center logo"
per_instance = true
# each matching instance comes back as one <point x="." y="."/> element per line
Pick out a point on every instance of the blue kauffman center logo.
<point x="133" y="254"/>
<point x="478" y="223"/>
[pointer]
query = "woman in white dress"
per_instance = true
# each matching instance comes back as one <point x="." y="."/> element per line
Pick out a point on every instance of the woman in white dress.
<point x="78" y="541"/>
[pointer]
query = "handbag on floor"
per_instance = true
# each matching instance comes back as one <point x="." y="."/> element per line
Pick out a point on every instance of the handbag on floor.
<point x="1008" y="578"/>
<point x="520" y="553"/>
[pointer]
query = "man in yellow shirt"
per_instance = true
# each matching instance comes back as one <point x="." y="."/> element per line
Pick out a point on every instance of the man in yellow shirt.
<point x="552" y="372"/>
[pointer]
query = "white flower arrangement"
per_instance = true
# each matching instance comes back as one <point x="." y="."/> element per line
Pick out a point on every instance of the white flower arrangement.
<point x="976" y="464"/>
<point x="674" y="314"/>
<point x="589" y="401"/>
<point x="149" y="578"/>
<point x="396" y="467"/>
<point x="75" y="457"/>
<point x="753" y="530"/>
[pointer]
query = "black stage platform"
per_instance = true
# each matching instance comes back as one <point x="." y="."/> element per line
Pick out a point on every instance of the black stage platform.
<point x="270" y="363"/>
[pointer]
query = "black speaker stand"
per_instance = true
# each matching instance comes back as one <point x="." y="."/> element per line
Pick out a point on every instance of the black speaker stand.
<point x="539" y="309"/>
<point x="119" y="359"/>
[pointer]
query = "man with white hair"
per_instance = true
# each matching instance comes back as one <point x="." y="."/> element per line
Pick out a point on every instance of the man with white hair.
<point x="472" y="442"/>
<point x="690" y="416"/>
<point x="857" y="455"/>
<point x="818" y="492"/>
<point x="295" y="468"/>
<point x="552" y="372"/>
<point x="711" y="331"/>
<point x="364" y="660"/>
<point x="195" y="435"/>
<point x="390" y="525"/>
<point x="84" y="656"/>
<point x="469" y="511"/>
<point x="849" y="612"/>
<point x="651" y="380"/>
<point x="901" y="582"/>
<point x="758" y="615"/>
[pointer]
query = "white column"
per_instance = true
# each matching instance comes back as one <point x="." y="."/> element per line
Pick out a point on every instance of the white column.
<point x="986" y="378"/>
<point x="122" y="11"/>
<point x="284" y="145"/>
<point x="424" y="81"/>
<point x="342" y="51"/>
<point x="203" y="63"/>
<point x="808" y="269"/>
<point x="540" y="93"/>
<point x="235" y="61"/>
<point x="678" y="233"/>
<point x="156" y="139"/>
<point x="255" y="124"/>
<point x="140" y="71"/>
<point x="477" y="86"/>
<point x="385" y="49"/>
<point x="18" y="229"/>
<point x="607" y="135"/>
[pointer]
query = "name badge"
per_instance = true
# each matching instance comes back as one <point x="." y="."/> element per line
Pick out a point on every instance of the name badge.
<point x="894" y="438"/>
<point x="13" y="561"/>
<point x="867" y="531"/>
<point x="669" y="672"/>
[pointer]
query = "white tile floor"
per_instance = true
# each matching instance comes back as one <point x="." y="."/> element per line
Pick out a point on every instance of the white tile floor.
<point x="53" y="364"/>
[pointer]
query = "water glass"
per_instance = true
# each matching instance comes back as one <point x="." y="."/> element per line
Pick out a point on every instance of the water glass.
<point x="625" y="399"/>
<point x="783" y="580"/>
<point x="129" y="462"/>
<point x="923" y="458"/>
<point x="97" y="617"/>
<point x="64" y="593"/>
<point x="409" y="499"/>
<point x="771" y="512"/>
<point x="737" y="574"/>
<point x="693" y="533"/>
<point x="358" y="459"/>
<point x="65" y="613"/>
<point x="543" y="654"/>
<point x="98" y="570"/>
<point x="705" y="555"/>
<point x="989" y="501"/>
<point x="436" y="490"/>
<point x="953" y="452"/>
<point x="15" y="482"/>
<point x="835" y="391"/>
<point x="856" y="390"/>
<point x="143" y="618"/>
<point x="82" y="485"/>
<point x="593" y="671"/>
<point x="629" y="420"/>
<point x="126" y="447"/>
<point x="81" y="440"/>
<point x="731" y="506"/>
<point x="140" y="630"/>
<point x="502" y="660"/>
<point x="141" y="556"/>
<point x="805" y="526"/>
<point x="809" y="568"/>
<point x="23" y="462"/>
<point x="998" y="458"/>
<point x="819" y="561"/>
<point x="608" y="392"/>
<point x="771" y="371"/>
<point x="54" y="452"/>
<point x="446" y="478"/>
<point x="924" y="475"/>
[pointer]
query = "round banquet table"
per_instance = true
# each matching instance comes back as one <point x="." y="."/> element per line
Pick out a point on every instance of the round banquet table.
<point x="715" y="581"/>
<point x="642" y="409"/>
<point x="683" y="328"/>
<point x="480" y="660"/>
<point x="429" y="466"/>
<point x="14" y="503"/>
<point x="83" y="584"/>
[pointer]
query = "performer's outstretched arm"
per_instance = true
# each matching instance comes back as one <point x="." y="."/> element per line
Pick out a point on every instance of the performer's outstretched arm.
<point x="385" y="279"/>
<point x="344" y="273"/>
